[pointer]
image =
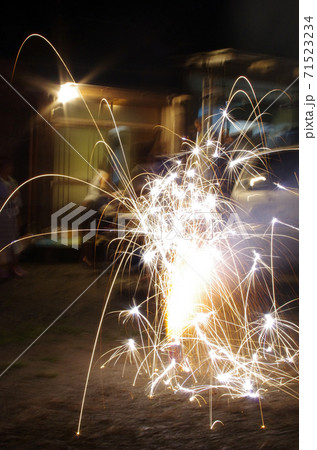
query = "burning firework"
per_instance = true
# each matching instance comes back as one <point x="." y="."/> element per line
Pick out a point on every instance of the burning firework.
<point x="202" y="325"/>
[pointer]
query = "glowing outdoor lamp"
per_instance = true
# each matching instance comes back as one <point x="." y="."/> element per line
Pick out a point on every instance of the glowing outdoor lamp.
<point x="67" y="92"/>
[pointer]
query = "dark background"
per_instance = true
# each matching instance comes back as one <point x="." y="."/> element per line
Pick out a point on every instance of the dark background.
<point x="141" y="44"/>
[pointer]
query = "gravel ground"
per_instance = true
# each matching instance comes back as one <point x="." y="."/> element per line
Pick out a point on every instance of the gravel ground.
<point x="41" y="393"/>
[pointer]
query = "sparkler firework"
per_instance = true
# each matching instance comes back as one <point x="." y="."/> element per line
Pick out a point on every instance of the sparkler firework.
<point x="204" y="326"/>
<point x="211" y="318"/>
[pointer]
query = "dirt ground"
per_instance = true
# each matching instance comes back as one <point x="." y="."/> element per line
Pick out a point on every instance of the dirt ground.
<point x="41" y="393"/>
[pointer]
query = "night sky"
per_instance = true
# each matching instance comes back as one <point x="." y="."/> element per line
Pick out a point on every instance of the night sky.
<point x="140" y="43"/>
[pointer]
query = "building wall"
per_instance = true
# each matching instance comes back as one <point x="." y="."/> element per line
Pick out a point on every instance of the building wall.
<point x="82" y="137"/>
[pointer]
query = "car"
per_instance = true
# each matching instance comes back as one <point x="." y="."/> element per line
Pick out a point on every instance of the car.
<point x="266" y="199"/>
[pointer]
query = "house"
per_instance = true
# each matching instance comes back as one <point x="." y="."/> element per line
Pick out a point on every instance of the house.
<point x="117" y="128"/>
